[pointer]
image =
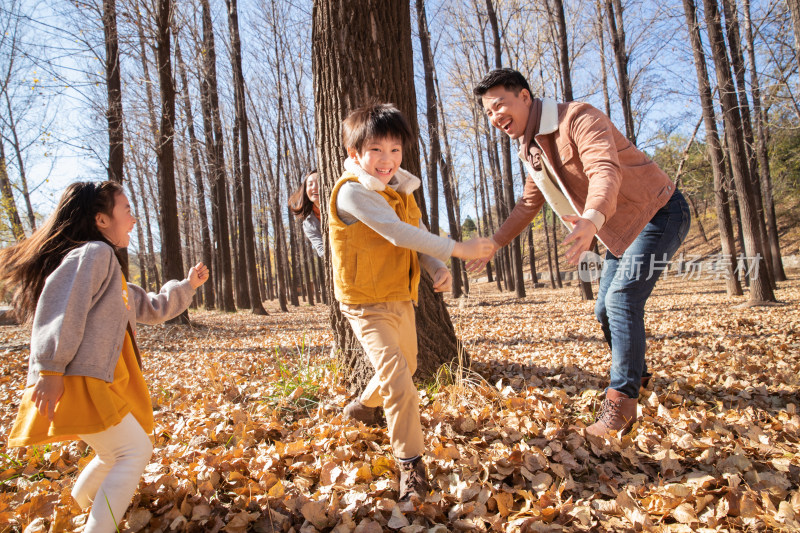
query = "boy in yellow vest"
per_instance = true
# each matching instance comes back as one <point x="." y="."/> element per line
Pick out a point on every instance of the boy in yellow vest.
<point x="378" y="245"/>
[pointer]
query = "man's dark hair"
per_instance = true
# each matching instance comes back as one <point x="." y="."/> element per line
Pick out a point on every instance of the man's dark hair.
<point x="375" y="121"/>
<point x="509" y="78"/>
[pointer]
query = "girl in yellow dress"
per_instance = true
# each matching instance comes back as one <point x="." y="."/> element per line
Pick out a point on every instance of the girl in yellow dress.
<point x="84" y="373"/>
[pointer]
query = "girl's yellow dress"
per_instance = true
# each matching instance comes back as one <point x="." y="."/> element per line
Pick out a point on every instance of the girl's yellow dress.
<point x="88" y="405"/>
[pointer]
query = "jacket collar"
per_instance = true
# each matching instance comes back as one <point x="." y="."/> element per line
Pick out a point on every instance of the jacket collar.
<point x="548" y="123"/>
<point x="403" y="181"/>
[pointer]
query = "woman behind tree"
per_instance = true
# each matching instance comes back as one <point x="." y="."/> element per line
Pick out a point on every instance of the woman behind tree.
<point x="304" y="203"/>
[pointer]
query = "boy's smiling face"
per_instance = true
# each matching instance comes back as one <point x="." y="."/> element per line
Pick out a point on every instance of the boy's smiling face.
<point x="381" y="158"/>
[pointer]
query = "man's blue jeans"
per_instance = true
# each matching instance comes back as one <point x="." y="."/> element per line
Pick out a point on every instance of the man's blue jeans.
<point x="625" y="285"/>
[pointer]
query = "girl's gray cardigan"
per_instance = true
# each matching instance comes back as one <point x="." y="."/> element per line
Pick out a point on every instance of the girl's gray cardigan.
<point x="81" y="317"/>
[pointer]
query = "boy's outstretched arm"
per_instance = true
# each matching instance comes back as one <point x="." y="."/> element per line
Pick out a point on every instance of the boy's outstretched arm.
<point x="476" y="248"/>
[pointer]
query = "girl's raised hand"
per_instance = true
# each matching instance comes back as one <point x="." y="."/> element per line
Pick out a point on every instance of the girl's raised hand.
<point x="198" y="275"/>
<point x="46" y="393"/>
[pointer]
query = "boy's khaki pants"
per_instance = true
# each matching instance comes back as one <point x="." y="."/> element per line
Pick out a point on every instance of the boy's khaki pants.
<point x="388" y="334"/>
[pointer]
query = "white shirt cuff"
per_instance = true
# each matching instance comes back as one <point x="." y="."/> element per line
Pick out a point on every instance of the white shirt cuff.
<point x="597" y="218"/>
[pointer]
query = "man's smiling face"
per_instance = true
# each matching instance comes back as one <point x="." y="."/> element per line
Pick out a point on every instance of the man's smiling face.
<point x="507" y="111"/>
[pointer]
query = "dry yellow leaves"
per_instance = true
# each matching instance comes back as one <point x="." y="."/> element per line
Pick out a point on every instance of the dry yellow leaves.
<point x="250" y="434"/>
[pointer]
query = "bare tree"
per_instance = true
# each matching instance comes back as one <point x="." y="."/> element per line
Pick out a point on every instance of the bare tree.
<point x="200" y="197"/>
<point x="244" y="160"/>
<point x="170" y="230"/>
<point x="760" y="283"/>
<point x="212" y="125"/>
<point x="505" y="149"/>
<point x="617" y="30"/>
<point x="765" y="179"/>
<point x="8" y="202"/>
<point x="714" y="149"/>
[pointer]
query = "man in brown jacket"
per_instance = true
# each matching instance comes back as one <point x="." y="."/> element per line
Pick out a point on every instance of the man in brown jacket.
<point x="600" y="184"/>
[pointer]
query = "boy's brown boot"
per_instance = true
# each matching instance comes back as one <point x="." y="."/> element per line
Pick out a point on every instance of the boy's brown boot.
<point x="413" y="480"/>
<point x="362" y="413"/>
<point x="617" y="413"/>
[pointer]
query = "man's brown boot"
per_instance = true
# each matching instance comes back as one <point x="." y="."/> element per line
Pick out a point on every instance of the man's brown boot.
<point x="413" y="480"/>
<point x="362" y="413"/>
<point x="617" y="413"/>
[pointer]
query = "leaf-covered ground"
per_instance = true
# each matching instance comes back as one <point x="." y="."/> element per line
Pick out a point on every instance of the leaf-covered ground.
<point x="250" y="437"/>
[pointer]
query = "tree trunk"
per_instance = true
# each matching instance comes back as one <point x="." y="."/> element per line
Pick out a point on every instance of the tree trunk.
<point x="207" y="288"/>
<point x="139" y="235"/>
<point x="556" y="223"/>
<point x="601" y="42"/>
<point x="563" y="48"/>
<point x="486" y="213"/>
<point x="737" y="62"/>
<point x="508" y="180"/>
<point x="351" y="66"/>
<point x="246" y="207"/>
<point x="714" y="150"/>
<point x="550" y="269"/>
<point x="794" y="8"/>
<point x="434" y="147"/>
<point x="532" y="257"/>
<point x="765" y="179"/>
<point x="760" y="282"/>
<point x="617" y="29"/>
<point x="215" y="149"/>
<point x="8" y="202"/>
<point x="116" y="155"/>
<point x="171" y="260"/>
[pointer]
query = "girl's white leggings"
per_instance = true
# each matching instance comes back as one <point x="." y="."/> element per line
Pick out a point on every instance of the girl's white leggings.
<point x="108" y="482"/>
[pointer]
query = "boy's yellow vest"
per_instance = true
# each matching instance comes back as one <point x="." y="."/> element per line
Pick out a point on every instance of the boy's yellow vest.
<point x="367" y="268"/>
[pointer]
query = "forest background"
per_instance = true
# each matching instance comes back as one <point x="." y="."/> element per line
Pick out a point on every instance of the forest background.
<point x="210" y="114"/>
<point x="640" y="70"/>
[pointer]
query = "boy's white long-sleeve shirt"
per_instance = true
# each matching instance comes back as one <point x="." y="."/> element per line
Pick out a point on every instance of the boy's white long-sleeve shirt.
<point x="359" y="201"/>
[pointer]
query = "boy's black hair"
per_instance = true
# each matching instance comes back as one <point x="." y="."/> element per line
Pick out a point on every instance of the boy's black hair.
<point x="375" y="121"/>
<point x="509" y="78"/>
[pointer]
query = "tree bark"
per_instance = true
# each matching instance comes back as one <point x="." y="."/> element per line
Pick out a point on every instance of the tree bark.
<point x="508" y="182"/>
<point x="350" y="67"/>
<point x="714" y="149"/>
<point x="171" y="260"/>
<point x="205" y="234"/>
<point x="246" y="207"/>
<point x="617" y="29"/>
<point x="760" y="282"/>
<point x="215" y="150"/>
<point x="737" y="62"/>
<point x="599" y="23"/>
<point x="8" y="202"/>
<point x="794" y="8"/>
<point x="434" y="146"/>
<point x="563" y="48"/>
<point x="761" y="151"/>
<point x="116" y="154"/>
<point x="550" y="268"/>
<point x="556" y="222"/>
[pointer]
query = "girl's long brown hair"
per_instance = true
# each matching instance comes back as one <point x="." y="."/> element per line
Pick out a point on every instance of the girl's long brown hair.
<point x="24" y="267"/>
<point x="299" y="202"/>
